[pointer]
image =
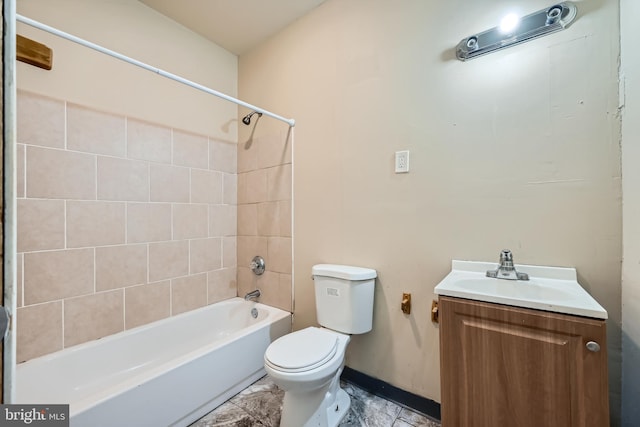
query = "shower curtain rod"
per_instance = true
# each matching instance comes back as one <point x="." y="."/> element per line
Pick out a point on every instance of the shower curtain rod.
<point x="78" y="40"/>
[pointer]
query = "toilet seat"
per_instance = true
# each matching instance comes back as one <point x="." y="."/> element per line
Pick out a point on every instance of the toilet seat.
<point x="302" y="351"/>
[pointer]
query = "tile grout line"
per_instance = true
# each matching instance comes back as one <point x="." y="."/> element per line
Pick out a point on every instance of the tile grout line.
<point x="64" y="118"/>
<point x="63" y="323"/>
<point x="126" y="226"/>
<point x="22" y="281"/>
<point x="126" y="202"/>
<point x="124" y="309"/>
<point x="94" y="271"/>
<point x="64" y="207"/>
<point x="110" y="156"/>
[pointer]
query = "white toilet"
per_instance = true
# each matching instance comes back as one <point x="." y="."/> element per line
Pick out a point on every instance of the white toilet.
<point x="307" y="364"/>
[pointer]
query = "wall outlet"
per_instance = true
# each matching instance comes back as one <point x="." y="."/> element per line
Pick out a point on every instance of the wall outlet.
<point x="402" y="161"/>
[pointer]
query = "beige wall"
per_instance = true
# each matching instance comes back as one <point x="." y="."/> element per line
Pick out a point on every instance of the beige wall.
<point x="89" y="78"/>
<point x="630" y="73"/>
<point x="120" y="223"/>
<point x="518" y="149"/>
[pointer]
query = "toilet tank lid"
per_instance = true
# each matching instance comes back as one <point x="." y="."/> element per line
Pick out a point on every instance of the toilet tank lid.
<point x="346" y="272"/>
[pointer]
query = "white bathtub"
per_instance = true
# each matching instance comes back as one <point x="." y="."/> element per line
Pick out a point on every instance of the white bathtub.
<point x="169" y="372"/>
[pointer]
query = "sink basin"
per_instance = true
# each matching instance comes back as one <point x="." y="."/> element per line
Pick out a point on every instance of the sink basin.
<point x="532" y="290"/>
<point x="548" y="288"/>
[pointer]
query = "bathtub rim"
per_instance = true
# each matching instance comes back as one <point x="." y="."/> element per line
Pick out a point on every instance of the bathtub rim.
<point x="96" y="398"/>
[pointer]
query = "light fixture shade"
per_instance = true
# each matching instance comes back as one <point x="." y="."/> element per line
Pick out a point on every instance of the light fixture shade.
<point x="537" y="24"/>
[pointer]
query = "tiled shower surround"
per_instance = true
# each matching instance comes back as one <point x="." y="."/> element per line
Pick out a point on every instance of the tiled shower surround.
<point x="122" y="222"/>
<point x="264" y="216"/>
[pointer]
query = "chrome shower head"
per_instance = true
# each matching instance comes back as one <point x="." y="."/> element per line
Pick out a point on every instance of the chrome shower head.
<point x="247" y="119"/>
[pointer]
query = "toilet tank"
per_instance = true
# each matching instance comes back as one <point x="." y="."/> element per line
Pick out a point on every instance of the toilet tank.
<point x="344" y="297"/>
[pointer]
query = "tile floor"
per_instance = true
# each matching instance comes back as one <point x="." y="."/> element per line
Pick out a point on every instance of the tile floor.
<point x="260" y="405"/>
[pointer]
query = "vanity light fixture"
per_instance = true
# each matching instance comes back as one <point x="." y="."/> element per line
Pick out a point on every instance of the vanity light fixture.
<point x="513" y="30"/>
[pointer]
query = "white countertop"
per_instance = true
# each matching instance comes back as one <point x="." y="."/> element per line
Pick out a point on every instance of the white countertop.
<point x="553" y="289"/>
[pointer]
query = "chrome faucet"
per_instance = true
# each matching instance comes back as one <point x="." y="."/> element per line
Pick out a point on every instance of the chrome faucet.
<point x="252" y="295"/>
<point x="506" y="270"/>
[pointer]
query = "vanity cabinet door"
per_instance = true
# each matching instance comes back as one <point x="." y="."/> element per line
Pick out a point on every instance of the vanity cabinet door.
<point x="508" y="366"/>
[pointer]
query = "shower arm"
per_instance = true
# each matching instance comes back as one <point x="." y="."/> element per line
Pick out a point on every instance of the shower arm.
<point x="82" y="42"/>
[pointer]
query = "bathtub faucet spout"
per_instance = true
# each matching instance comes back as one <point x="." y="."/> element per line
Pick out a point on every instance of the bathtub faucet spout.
<point x="252" y="295"/>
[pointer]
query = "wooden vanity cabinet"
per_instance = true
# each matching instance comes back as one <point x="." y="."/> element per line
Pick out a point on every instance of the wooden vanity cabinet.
<point x="505" y="366"/>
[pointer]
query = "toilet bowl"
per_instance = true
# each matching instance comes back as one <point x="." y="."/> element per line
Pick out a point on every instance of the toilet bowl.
<point x="307" y="364"/>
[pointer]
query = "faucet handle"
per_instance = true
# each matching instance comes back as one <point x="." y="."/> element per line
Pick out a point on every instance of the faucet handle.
<point x="506" y="259"/>
<point x="506" y="256"/>
<point x="257" y="265"/>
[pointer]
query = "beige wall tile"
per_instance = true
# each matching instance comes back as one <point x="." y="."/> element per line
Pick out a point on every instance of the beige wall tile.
<point x="223" y="156"/>
<point x="40" y="120"/>
<point x="279" y="183"/>
<point x="147" y="303"/>
<point x="188" y="293"/>
<point x="168" y="260"/>
<point x="221" y="285"/>
<point x="275" y="288"/>
<point x="38" y="330"/>
<point x="252" y="187"/>
<point x="274" y="150"/>
<point x="247" y="281"/>
<point x="205" y="255"/>
<point x="54" y="275"/>
<point x="256" y="186"/>
<point x="223" y="220"/>
<point x="230" y="189"/>
<point x="95" y="223"/>
<point x="279" y="254"/>
<point x="123" y="180"/>
<point x="285" y="293"/>
<point x="95" y="132"/>
<point x="190" y="221"/>
<point x="19" y="282"/>
<point x="119" y="266"/>
<point x="146" y="141"/>
<point x="241" y="183"/>
<point x="148" y="222"/>
<point x="206" y="186"/>
<point x="40" y="224"/>
<point x="248" y="247"/>
<point x="230" y="252"/>
<point x="248" y="220"/>
<point x="93" y="316"/>
<point x="190" y="150"/>
<point x="285" y="214"/>
<point x="56" y="174"/>
<point x="169" y="184"/>
<point x="248" y="155"/>
<point x="267" y="283"/>
<point x="20" y="170"/>
<point x="268" y="219"/>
